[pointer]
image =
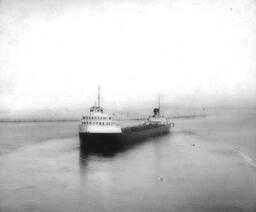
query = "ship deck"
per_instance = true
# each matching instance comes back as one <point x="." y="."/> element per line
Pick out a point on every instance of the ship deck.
<point x="143" y="127"/>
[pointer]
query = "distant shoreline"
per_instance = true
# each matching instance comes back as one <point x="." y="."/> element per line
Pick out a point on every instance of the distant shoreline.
<point x="189" y="116"/>
<point x="37" y="120"/>
<point x="178" y="117"/>
<point x="76" y="120"/>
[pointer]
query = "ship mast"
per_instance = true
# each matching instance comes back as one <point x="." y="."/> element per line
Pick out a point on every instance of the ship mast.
<point x="98" y="96"/>
<point x="159" y="103"/>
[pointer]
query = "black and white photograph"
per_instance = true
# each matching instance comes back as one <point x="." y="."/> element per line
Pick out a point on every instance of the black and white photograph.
<point x="128" y="105"/>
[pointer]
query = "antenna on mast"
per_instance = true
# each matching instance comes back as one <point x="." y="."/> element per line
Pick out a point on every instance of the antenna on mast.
<point x="98" y="96"/>
<point x="159" y="102"/>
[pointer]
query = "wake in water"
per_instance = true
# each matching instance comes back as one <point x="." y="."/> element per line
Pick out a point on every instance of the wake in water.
<point x="247" y="159"/>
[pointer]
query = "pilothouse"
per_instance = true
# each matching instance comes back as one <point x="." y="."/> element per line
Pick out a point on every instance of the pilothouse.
<point x="98" y="124"/>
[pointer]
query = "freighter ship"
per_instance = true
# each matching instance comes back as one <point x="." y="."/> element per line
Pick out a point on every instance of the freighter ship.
<point x="99" y="129"/>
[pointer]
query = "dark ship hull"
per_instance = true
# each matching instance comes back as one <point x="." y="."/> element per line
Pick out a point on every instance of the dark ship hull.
<point x="99" y="140"/>
<point x="129" y="135"/>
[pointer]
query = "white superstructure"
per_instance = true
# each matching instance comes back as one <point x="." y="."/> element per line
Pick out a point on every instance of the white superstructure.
<point x="98" y="122"/>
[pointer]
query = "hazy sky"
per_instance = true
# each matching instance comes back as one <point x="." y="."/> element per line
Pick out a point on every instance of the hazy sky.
<point x="54" y="53"/>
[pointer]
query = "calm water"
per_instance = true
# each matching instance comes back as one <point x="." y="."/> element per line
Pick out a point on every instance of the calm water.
<point x="205" y="164"/>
